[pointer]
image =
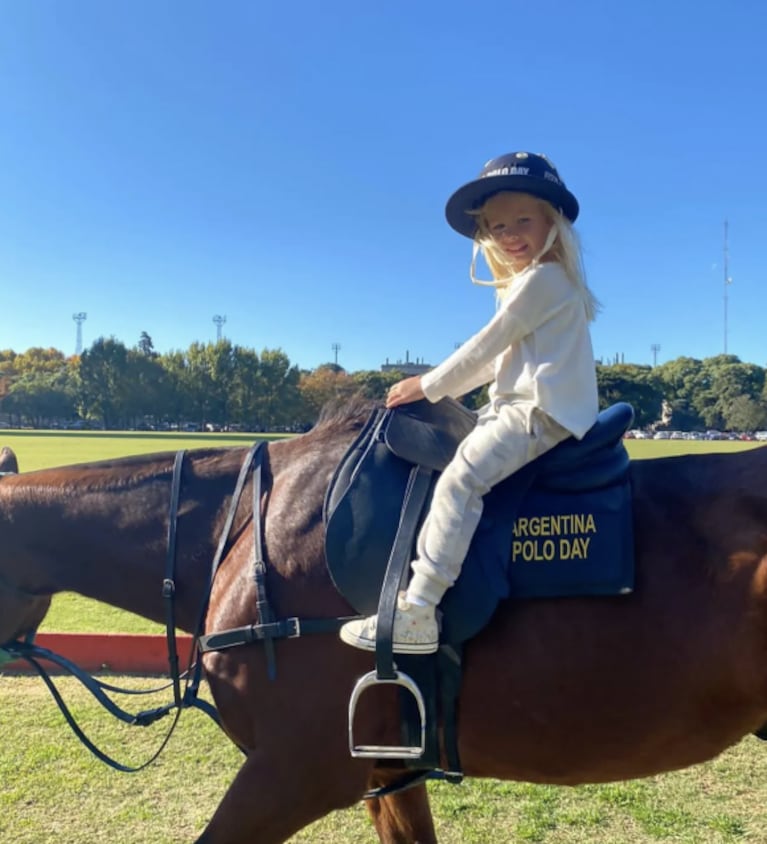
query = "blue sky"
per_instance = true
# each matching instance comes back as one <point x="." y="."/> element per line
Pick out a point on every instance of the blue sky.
<point x="286" y="165"/>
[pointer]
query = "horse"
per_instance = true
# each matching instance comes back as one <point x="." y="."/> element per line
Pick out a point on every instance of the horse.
<point x="558" y="691"/>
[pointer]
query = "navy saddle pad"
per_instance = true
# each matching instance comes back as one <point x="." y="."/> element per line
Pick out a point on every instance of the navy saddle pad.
<point x="561" y="526"/>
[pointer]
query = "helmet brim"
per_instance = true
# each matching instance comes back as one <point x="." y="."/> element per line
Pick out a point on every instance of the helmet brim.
<point x="473" y="195"/>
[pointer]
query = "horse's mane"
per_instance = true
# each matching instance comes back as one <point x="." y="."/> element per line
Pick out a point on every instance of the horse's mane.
<point x="345" y="412"/>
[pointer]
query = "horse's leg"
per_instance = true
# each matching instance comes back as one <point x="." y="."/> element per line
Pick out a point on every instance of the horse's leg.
<point x="403" y="817"/>
<point x="273" y="797"/>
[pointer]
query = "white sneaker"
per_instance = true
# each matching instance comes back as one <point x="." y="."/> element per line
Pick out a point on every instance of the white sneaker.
<point x="415" y="630"/>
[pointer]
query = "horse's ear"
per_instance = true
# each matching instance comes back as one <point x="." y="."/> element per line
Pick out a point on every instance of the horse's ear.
<point x="8" y="461"/>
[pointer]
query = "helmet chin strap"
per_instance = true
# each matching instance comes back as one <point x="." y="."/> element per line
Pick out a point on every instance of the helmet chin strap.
<point x="503" y="282"/>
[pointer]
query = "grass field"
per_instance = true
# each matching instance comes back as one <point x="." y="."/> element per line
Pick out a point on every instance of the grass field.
<point x="54" y="791"/>
<point x="43" y="449"/>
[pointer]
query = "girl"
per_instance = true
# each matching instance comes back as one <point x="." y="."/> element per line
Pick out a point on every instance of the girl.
<point x="536" y="352"/>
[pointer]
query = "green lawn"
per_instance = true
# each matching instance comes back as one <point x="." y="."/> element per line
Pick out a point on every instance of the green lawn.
<point x="643" y="449"/>
<point x="43" y="449"/>
<point x="55" y="791"/>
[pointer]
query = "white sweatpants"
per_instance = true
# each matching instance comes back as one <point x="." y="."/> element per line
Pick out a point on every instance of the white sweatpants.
<point x="507" y="436"/>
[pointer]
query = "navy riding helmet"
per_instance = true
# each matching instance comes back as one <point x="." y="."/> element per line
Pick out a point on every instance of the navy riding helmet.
<point x="525" y="172"/>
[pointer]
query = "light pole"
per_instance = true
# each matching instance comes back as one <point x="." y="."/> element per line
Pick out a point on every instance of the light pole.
<point x="79" y="318"/>
<point x="219" y="320"/>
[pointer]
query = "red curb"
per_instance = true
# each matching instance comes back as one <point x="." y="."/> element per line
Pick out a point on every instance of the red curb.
<point x="123" y="653"/>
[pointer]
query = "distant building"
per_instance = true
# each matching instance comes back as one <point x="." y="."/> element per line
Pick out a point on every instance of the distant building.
<point x="407" y="367"/>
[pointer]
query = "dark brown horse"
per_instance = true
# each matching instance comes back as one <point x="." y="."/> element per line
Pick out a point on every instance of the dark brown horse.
<point x="561" y="691"/>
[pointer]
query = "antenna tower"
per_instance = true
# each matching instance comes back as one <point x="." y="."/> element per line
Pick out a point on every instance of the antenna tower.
<point x="219" y="320"/>
<point x="336" y="347"/>
<point x="727" y="282"/>
<point x="79" y="318"/>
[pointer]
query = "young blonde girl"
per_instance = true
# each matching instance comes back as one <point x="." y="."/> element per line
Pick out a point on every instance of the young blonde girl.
<point x="535" y="353"/>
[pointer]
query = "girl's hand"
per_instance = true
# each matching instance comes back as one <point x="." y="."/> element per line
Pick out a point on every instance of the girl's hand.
<point x="405" y="391"/>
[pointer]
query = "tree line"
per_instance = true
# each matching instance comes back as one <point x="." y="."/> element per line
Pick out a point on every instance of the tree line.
<point x="226" y="386"/>
<point x="215" y="385"/>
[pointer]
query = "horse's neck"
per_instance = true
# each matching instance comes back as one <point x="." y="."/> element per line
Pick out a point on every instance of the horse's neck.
<point x="61" y="532"/>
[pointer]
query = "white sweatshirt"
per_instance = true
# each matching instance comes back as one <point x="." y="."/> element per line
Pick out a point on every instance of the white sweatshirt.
<point x="536" y="348"/>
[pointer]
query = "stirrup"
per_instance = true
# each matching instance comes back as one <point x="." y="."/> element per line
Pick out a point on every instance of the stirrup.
<point x="375" y="751"/>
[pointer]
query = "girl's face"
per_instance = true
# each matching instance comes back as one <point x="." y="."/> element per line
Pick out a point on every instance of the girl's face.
<point x="518" y="224"/>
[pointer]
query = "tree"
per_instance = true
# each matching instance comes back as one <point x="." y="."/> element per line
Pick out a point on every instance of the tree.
<point x="37" y="359"/>
<point x="374" y="384"/>
<point x="42" y="397"/>
<point x="175" y="404"/>
<point x="324" y="385"/>
<point x="145" y="346"/>
<point x="7" y="372"/>
<point x="733" y="386"/>
<point x="681" y="381"/>
<point x="221" y="374"/>
<point x="634" y="384"/>
<point x="246" y="387"/>
<point x="103" y="381"/>
<point x="745" y="414"/>
<point x="145" y="387"/>
<point x="198" y="381"/>
<point x="279" y="401"/>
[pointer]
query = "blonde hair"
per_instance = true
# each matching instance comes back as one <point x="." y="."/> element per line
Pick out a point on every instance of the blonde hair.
<point x="565" y="250"/>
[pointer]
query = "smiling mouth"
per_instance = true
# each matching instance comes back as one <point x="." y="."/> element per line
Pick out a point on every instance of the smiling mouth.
<point x="516" y="250"/>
